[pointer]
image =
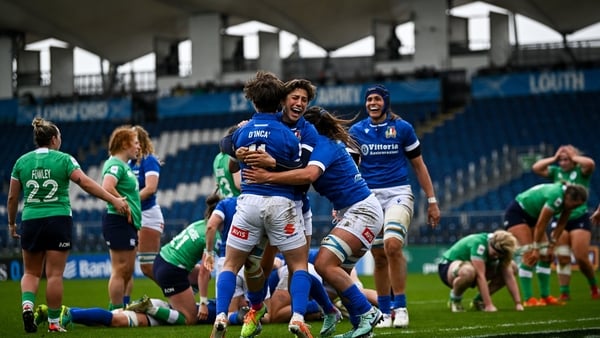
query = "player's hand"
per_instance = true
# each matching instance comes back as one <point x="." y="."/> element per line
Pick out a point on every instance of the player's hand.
<point x="240" y="153"/>
<point x="255" y="175"/>
<point x="203" y="312"/>
<point x="208" y="260"/>
<point x="260" y="159"/>
<point x="433" y="215"/>
<point x="490" y="308"/>
<point x="13" y="231"/>
<point x="519" y="307"/>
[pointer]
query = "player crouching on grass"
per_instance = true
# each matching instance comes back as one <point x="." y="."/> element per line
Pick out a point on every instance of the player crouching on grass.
<point x="483" y="260"/>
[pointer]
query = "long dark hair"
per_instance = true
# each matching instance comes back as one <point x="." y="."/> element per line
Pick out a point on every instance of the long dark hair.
<point x="331" y="126"/>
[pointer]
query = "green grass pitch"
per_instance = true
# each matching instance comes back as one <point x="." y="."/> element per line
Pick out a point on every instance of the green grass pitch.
<point x="427" y="297"/>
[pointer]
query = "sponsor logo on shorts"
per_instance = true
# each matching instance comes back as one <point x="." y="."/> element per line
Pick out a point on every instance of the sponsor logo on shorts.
<point x="368" y="235"/>
<point x="239" y="233"/>
<point x="168" y="290"/>
<point x="289" y="229"/>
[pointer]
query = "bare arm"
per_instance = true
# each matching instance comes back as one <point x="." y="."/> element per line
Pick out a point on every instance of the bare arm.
<point x="214" y="224"/>
<point x="587" y="164"/>
<point x="237" y="179"/>
<point x="508" y="273"/>
<point x="150" y="188"/>
<point x="203" y="279"/>
<point x="540" y="167"/>
<point x="482" y="285"/>
<point x="433" y="209"/>
<point x="91" y="187"/>
<point x="12" y="206"/>
<point x="596" y="216"/>
<point x="543" y="220"/>
<point x="302" y="176"/>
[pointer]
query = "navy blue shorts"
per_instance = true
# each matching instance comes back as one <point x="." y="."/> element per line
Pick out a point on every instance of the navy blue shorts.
<point x="171" y="279"/>
<point x="514" y="215"/>
<point x="118" y="233"/>
<point x="47" y="233"/>
<point x="582" y="222"/>
<point x="443" y="272"/>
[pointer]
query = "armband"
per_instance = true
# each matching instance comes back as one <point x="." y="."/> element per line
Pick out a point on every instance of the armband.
<point x="431" y="200"/>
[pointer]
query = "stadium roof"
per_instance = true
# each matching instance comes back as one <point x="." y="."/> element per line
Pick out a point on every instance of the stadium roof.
<point x="123" y="30"/>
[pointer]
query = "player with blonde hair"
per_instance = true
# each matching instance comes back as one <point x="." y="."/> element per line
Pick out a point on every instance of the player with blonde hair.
<point x="482" y="260"/>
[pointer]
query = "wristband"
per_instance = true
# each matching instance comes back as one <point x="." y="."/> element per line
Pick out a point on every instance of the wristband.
<point x="203" y="300"/>
<point x="535" y="245"/>
<point x="209" y="252"/>
<point x="431" y="200"/>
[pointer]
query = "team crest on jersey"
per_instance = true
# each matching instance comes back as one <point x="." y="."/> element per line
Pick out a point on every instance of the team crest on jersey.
<point x="558" y="202"/>
<point x="298" y="135"/>
<point x="390" y="132"/>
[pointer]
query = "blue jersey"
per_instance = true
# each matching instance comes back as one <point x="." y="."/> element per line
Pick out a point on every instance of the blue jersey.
<point x="265" y="131"/>
<point x="307" y="136"/>
<point x="384" y="163"/>
<point x="148" y="165"/>
<point x="305" y="132"/>
<point x="340" y="182"/>
<point x="225" y="208"/>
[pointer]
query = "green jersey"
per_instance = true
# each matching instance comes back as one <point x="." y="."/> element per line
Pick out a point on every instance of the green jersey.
<point x="534" y="199"/>
<point x="127" y="186"/>
<point x="45" y="176"/>
<point x="224" y="177"/>
<point x="572" y="176"/>
<point x="186" y="249"/>
<point x="469" y="248"/>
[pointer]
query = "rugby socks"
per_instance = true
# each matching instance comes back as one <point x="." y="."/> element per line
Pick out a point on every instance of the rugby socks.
<point x="126" y="300"/>
<point x="256" y="298"/>
<point x="385" y="304"/>
<point x="112" y="306"/>
<point x="91" y="316"/>
<point x="399" y="301"/>
<point x="27" y="300"/>
<point x="318" y="293"/>
<point x="168" y="315"/>
<point x="357" y="300"/>
<point x="525" y="277"/>
<point x="299" y="291"/>
<point x="53" y="316"/>
<point x="543" y="272"/>
<point x="225" y="290"/>
<point x="313" y="307"/>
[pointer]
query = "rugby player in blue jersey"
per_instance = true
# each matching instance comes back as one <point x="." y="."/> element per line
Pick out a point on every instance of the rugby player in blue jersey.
<point x="388" y="144"/>
<point x="333" y="174"/>
<point x="265" y="210"/>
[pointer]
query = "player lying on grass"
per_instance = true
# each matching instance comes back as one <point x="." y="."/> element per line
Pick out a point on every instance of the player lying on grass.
<point x="482" y="260"/>
<point x="135" y="315"/>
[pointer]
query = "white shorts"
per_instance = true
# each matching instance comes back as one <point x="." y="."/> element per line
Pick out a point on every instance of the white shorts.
<point x="400" y="195"/>
<point x="275" y="216"/>
<point x="363" y="219"/>
<point x="153" y="219"/>
<point x="306" y="218"/>
<point x="283" y="274"/>
<point x="394" y="200"/>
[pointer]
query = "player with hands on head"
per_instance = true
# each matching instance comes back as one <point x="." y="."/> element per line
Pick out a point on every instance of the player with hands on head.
<point x="569" y="165"/>
<point x="527" y="218"/>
